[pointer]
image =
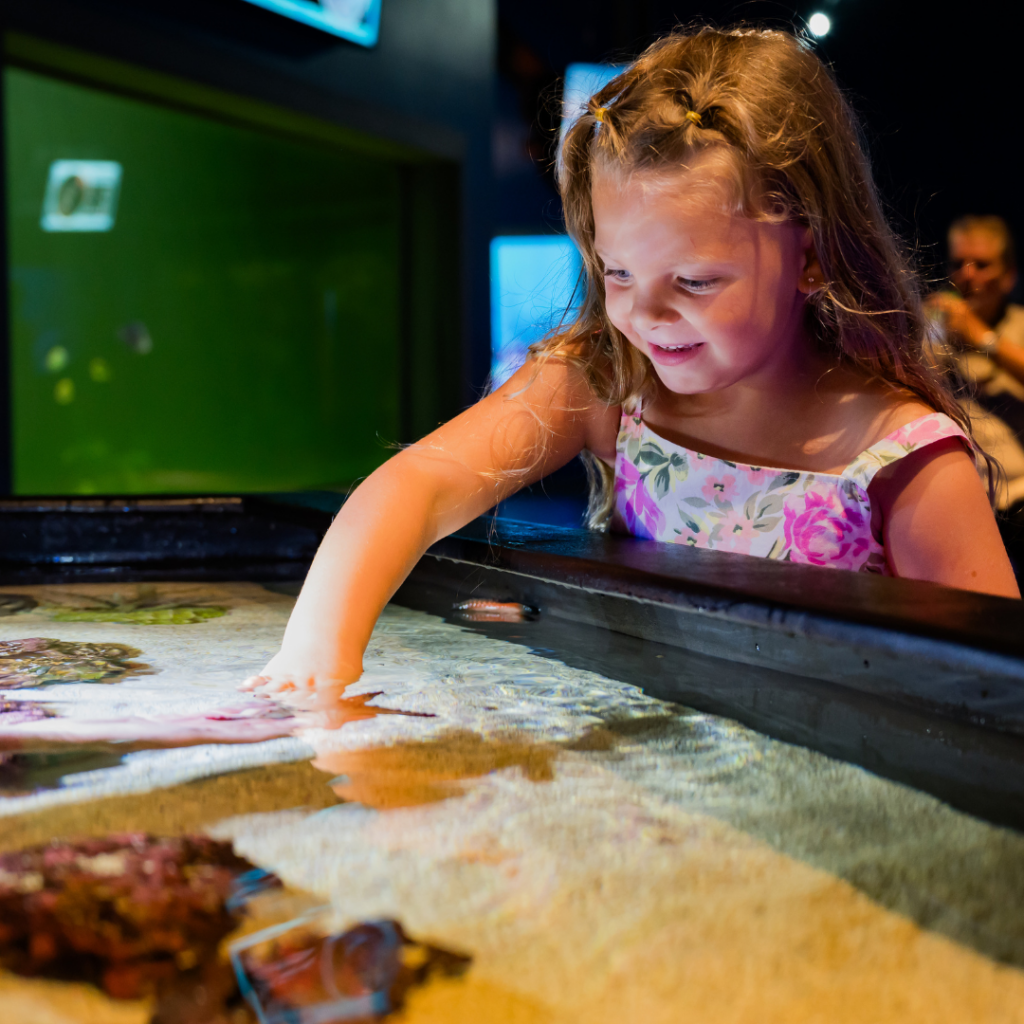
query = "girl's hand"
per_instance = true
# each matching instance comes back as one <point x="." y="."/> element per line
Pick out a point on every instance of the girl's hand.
<point x="959" y="318"/>
<point x="303" y="676"/>
<point x="542" y="417"/>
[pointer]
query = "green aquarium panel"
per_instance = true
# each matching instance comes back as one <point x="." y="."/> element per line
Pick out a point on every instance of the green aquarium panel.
<point x="195" y="305"/>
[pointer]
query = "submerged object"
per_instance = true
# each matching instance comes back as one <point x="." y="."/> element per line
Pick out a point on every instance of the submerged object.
<point x="136" y="337"/>
<point x="483" y="610"/>
<point x="146" y="608"/>
<point x="14" y="712"/>
<point x="127" y="913"/>
<point x="40" y="661"/>
<point x="167" y="615"/>
<point x="11" y="604"/>
<point x="292" y="973"/>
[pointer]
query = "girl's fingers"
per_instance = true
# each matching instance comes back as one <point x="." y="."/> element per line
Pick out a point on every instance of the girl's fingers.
<point x="267" y="684"/>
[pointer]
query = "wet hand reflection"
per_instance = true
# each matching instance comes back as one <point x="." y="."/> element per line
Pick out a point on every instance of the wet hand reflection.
<point x="410" y="774"/>
<point x="327" y="707"/>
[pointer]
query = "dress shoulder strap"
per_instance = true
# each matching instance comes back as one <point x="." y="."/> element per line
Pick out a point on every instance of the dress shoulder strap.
<point x="912" y="436"/>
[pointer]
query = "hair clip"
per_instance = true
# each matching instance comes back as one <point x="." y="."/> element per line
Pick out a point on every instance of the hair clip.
<point x="599" y="113"/>
<point x="692" y="115"/>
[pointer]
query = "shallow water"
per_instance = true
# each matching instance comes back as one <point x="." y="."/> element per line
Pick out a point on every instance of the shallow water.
<point x="521" y="841"/>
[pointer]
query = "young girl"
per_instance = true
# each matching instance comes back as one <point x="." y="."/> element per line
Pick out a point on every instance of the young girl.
<point x="746" y="371"/>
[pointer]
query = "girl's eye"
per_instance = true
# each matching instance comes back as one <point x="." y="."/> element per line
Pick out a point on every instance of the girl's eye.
<point x="698" y="286"/>
<point x="616" y="275"/>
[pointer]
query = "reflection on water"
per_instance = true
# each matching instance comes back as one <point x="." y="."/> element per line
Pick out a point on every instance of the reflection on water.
<point x="419" y="773"/>
<point x="22" y="773"/>
<point x="588" y="853"/>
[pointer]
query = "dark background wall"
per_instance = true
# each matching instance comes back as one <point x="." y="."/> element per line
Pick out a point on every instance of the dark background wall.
<point x="476" y="80"/>
<point x="939" y="93"/>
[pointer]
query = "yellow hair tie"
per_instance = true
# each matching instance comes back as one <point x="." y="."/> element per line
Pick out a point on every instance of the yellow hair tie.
<point x="692" y="115"/>
<point x="599" y="113"/>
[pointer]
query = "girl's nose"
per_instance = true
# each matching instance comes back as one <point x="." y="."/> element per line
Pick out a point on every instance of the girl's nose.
<point x="651" y="309"/>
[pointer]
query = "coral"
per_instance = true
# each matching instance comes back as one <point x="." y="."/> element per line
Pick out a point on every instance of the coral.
<point x="39" y="661"/>
<point x="131" y="914"/>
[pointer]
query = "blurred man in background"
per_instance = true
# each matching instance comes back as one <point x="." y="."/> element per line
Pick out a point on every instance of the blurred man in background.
<point x="985" y="338"/>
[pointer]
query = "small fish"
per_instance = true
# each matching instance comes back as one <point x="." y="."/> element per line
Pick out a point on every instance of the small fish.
<point x="136" y="337"/>
<point x="483" y="610"/>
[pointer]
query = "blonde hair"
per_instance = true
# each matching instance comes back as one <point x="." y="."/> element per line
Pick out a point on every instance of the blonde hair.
<point x="766" y="100"/>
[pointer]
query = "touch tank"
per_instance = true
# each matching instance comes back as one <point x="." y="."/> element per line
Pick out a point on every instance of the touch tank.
<point x="505" y="819"/>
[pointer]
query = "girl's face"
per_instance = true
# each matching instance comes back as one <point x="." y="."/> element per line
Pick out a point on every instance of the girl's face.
<point x="712" y="298"/>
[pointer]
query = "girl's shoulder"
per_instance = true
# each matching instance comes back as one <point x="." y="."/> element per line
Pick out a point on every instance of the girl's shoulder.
<point x="905" y="436"/>
<point x="871" y="411"/>
<point x="902" y="415"/>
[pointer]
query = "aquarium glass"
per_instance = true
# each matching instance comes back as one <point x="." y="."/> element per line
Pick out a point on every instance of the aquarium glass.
<point x="195" y="305"/>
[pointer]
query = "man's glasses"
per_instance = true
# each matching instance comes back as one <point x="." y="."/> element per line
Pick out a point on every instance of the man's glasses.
<point x="954" y="266"/>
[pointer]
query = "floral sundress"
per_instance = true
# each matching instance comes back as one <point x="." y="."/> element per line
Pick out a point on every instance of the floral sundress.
<point x="666" y="492"/>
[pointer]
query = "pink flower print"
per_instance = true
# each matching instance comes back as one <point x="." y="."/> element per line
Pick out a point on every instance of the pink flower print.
<point x="756" y="475"/>
<point x="735" y="532"/>
<point x="820" y="529"/>
<point x="924" y="431"/>
<point x="632" y="426"/>
<point x="719" y="488"/>
<point x="639" y="509"/>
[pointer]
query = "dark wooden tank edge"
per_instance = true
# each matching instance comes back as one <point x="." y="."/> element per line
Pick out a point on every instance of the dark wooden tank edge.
<point x="734" y="585"/>
<point x="713" y="582"/>
<point x="619" y="606"/>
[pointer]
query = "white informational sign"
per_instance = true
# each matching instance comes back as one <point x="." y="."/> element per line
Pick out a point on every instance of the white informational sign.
<point x="355" y="20"/>
<point x="81" y="195"/>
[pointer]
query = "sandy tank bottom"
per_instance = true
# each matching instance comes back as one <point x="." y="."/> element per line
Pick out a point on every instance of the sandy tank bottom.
<point x="598" y="854"/>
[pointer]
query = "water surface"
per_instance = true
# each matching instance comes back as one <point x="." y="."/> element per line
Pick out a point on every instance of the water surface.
<point x="515" y="840"/>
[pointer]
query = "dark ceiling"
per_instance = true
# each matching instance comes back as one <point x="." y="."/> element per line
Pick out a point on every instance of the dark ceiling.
<point x="939" y="96"/>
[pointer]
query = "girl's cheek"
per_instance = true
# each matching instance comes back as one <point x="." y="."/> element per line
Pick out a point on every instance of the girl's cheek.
<point x="614" y="307"/>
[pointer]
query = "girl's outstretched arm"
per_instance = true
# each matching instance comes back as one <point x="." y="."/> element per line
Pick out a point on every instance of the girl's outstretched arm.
<point x="536" y="422"/>
<point x="938" y="523"/>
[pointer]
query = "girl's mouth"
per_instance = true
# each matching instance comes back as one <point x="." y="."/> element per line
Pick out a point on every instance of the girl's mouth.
<point x="673" y="355"/>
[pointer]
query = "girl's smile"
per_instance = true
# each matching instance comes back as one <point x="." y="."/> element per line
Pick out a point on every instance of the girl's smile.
<point x="673" y="355"/>
<point x="711" y="297"/>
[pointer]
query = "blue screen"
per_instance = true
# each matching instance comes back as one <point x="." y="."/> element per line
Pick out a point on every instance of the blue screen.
<point x="356" y="20"/>
<point x="533" y="277"/>
<point x="581" y="82"/>
<point x="532" y="283"/>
